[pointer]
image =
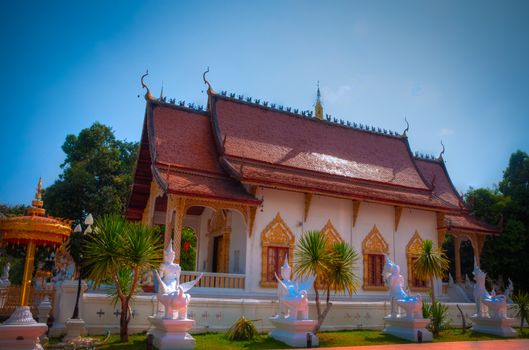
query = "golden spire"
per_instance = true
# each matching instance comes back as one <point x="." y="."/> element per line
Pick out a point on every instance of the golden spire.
<point x="318" y="108"/>
<point x="37" y="203"/>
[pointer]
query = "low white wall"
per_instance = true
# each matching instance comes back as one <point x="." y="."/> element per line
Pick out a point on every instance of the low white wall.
<point x="217" y="315"/>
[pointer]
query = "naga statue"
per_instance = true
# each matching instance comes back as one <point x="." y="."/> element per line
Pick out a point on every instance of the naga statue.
<point x="293" y="300"/>
<point x="485" y="302"/>
<point x="171" y="294"/>
<point x="411" y="305"/>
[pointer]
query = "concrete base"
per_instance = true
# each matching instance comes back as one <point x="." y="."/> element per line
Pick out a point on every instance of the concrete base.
<point x="21" y="331"/>
<point x="501" y="327"/>
<point x="75" y="327"/>
<point x="293" y="332"/>
<point x="171" y="334"/>
<point x="408" y="329"/>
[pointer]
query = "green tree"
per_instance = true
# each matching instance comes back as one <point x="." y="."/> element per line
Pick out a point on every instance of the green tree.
<point x="121" y="251"/>
<point x="188" y="254"/>
<point x="521" y="301"/>
<point x="12" y="210"/>
<point x="96" y="177"/>
<point x="508" y="208"/>
<point x="332" y="264"/>
<point x="431" y="263"/>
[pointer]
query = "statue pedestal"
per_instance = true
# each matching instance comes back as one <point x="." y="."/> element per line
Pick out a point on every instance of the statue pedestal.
<point x="21" y="331"/>
<point x="74" y="329"/>
<point x="293" y="332"/>
<point x="497" y="326"/>
<point x="171" y="334"/>
<point x="407" y="328"/>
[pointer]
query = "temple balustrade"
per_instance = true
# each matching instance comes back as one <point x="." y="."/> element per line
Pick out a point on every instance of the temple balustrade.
<point x="214" y="280"/>
<point x="10" y="299"/>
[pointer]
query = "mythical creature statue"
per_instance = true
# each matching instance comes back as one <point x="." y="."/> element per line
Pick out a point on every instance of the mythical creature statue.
<point x="485" y="302"/>
<point x="508" y="292"/>
<point x="293" y="300"/>
<point x="171" y="294"/>
<point x="4" y="280"/>
<point x="411" y="305"/>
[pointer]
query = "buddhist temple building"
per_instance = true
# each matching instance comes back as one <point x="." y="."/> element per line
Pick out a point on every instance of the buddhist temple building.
<point x="249" y="177"/>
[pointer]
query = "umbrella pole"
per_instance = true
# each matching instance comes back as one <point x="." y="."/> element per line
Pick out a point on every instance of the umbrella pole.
<point x="28" y="273"/>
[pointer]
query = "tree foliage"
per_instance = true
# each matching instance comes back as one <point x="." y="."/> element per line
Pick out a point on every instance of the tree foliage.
<point x="508" y="208"/>
<point x="431" y="263"/>
<point x="121" y="251"/>
<point x="333" y="264"/>
<point x="96" y="177"/>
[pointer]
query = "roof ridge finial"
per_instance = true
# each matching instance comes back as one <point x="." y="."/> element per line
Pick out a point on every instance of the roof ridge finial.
<point x="407" y="127"/>
<point x="318" y="108"/>
<point x="442" y="152"/>
<point x="210" y="89"/>
<point x="161" y="92"/>
<point x="148" y="95"/>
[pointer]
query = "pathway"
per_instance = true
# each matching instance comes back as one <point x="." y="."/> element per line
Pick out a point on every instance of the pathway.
<point x="511" y="344"/>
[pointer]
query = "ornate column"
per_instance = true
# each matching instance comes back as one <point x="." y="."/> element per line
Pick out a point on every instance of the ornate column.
<point x="457" y="254"/>
<point x="176" y="209"/>
<point x="148" y="213"/>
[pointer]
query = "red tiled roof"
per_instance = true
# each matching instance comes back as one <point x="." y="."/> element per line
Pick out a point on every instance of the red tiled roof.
<point x="442" y="185"/>
<point x="178" y="148"/>
<point x="217" y="187"/>
<point x="281" y="177"/>
<point x="183" y="138"/>
<point x="467" y="223"/>
<point x="272" y="137"/>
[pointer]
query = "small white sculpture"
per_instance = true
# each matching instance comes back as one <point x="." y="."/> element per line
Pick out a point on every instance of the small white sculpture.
<point x="293" y="300"/>
<point x="171" y="293"/>
<point x="508" y="292"/>
<point x="4" y="280"/>
<point x="485" y="301"/>
<point x="411" y="305"/>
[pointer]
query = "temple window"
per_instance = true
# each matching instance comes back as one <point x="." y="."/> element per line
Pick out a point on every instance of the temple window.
<point x="374" y="248"/>
<point x="413" y="251"/>
<point x="277" y="240"/>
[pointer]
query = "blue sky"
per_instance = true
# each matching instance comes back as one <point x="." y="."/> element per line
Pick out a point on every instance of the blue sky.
<point x="458" y="70"/>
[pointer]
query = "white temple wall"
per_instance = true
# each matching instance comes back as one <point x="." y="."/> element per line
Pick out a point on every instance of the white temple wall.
<point x="217" y="314"/>
<point x="291" y="205"/>
<point x="237" y="252"/>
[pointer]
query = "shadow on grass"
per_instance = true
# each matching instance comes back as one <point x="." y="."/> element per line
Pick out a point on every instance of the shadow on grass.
<point x="384" y="338"/>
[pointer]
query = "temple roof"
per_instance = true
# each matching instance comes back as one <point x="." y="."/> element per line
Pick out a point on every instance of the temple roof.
<point x="272" y="137"/>
<point x="211" y="154"/>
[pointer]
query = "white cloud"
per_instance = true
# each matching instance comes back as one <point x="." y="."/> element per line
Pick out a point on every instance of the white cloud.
<point x="334" y="96"/>
<point x="446" y="132"/>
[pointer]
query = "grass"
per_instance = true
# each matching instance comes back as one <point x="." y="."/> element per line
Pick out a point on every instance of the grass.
<point x="327" y="339"/>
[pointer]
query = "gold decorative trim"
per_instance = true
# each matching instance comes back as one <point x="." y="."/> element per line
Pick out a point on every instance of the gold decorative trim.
<point x="398" y="214"/>
<point x="308" y="201"/>
<point x="330" y="233"/>
<point x="356" y="208"/>
<point x="275" y="234"/>
<point x="413" y="251"/>
<point x="441" y="228"/>
<point x="373" y="243"/>
<point x="148" y="213"/>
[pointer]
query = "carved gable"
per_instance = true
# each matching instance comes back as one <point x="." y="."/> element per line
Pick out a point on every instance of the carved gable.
<point x="414" y="246"/>
<point x="330" y="233"/>
<point x="277" y="233"/>
<point x="374" y="243"/>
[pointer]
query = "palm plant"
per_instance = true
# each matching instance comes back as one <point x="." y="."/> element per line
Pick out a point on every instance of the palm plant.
<point x="332" y="264"/>
<point x="242" y="329"/>
<point x="522" y="307"/>
<point x="121" y="251"/>
<point x="432" y="263"/>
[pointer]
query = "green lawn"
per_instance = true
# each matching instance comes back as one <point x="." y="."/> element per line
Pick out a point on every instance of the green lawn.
<point x="327" y="339"/>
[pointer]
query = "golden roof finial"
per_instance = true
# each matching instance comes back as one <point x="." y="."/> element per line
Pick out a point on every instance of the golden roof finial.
<point x="210" y="89"/>
<point x="38" y="195"/>
<point x="148" y="95"/>
<point x="318" y="108"/>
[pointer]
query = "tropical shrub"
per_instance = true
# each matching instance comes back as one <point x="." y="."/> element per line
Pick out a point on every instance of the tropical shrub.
<point x="521" y="301"/>
<point x="438" y="315"/>
<point x="242" y="329"/>
<point x="431" y="263"/>
<point x="188" y="250"/>
<point x="333" y="264"/>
